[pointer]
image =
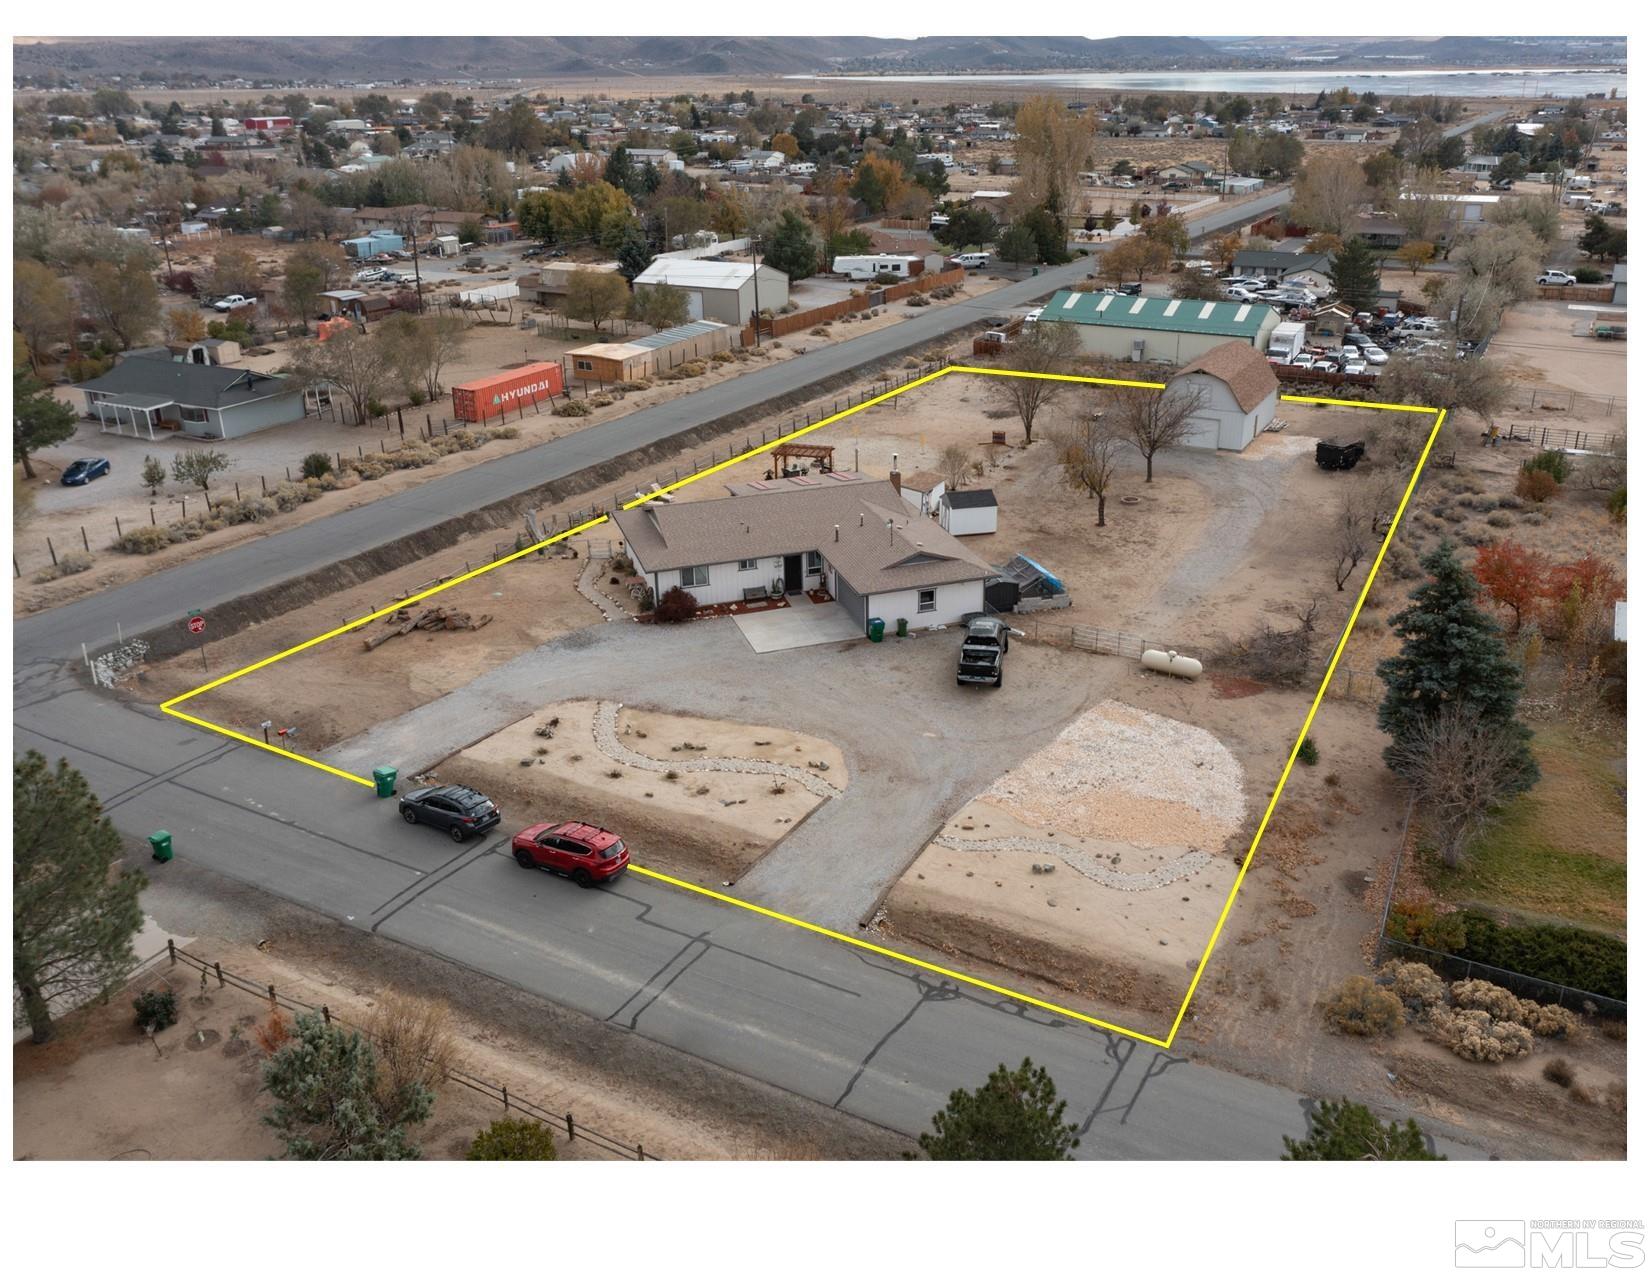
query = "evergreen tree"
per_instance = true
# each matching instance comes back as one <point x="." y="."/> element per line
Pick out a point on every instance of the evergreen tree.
<point x="1349" y="1131"/>
<point x="794" y="248"/>
<point x="37" y="418"/>
<point x="619" y="172"/>
<point x="1453" y="654"/>
<point x="635" y="254"/>
<point x="73" y="915"/>
<point x="1015" y="1115"/>
<point x="1356" y="273"/>
<point x="329" y="1102"/>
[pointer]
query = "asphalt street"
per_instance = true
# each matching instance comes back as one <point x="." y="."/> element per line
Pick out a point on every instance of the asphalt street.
<point x="844" y="1027"/>
<point x="817" y="1018"/>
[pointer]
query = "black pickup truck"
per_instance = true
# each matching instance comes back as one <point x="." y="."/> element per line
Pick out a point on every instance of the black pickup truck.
<point x="985" y="643"/>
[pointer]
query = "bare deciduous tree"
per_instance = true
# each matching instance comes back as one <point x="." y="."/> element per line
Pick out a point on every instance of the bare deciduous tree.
<point x="1152" y="420"/>
<point x="1461" y="768"/>
<point x="955" y="465"/>
<point x="1090" y="451"/>
<point x="1046" y="351"/>
<point x="355" y="364"/>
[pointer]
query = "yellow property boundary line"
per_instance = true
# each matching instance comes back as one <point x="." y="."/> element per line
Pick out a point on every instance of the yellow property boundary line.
<point x="1165" y="1041"/>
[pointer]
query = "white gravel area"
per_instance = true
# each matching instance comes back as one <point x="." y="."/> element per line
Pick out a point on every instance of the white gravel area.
<point x="1123" y="774"/>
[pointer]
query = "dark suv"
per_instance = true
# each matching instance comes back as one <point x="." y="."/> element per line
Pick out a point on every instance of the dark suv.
<point x="456" y="810"/>
<point x="582" y="851"/>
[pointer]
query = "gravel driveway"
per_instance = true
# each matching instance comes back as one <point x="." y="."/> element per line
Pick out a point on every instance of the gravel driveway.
<point x="917" y="746"/>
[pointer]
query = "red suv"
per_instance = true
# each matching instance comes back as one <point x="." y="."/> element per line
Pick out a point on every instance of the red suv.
<point x="582" y="851"/>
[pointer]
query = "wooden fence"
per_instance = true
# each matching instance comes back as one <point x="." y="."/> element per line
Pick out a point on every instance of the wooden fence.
<point x="785" y="324"/>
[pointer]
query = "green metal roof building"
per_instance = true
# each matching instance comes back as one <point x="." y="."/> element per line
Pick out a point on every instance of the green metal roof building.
<point x="1158" y="329"/>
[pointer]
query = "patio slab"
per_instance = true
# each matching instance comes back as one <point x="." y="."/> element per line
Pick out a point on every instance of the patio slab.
<point x="808" y="624"/>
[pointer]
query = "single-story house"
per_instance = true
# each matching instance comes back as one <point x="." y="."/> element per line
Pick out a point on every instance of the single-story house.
<point x="1479" y="166"/>
<point x="150" y="391"/>
<point x="971" y="512"/>
<point x="853" y="538"/>
<point x="1236" y="184"/>
<point x="1190" y="170"/>
<point x="1239" y="391"/>
<point x="644" y="356"/>
<point x="921" y="489"/>
<point x="1158" y="329"/>
<point x="727" y="291"/>
<point x="1304" y="269"/>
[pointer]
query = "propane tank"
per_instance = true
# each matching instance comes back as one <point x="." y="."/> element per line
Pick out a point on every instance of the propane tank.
<point x="1172" y="663"/>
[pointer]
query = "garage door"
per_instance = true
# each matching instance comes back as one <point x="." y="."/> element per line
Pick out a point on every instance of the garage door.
<point x="853" y="603"/>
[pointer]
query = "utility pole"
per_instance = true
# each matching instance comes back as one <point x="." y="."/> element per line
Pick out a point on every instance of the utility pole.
<point x="756" y="290"/>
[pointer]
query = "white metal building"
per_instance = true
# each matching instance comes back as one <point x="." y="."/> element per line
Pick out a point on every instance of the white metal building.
<point x="727" y="291"/>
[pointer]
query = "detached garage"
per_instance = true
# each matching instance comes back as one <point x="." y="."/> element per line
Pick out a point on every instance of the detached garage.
<point x="1240" y="396"/>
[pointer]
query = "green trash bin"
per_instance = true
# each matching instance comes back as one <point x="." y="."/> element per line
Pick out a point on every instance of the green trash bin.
<point x="902" y="629"/>
<point x="873" y="629"/>
<point x="383" y="780"/>
<point x="160" y="845"/>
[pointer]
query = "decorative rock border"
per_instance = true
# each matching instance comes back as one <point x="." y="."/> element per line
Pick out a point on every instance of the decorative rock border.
<point x="606" y="730"/>
<point x="586" y="585"/>
<point x="1188" y="865"/>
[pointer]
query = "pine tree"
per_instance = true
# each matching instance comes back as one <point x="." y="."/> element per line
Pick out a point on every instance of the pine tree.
<point x="329" y="1103"/>
<point x="1453" y="653"/>
<point x="1349" y="1131"/>
<point x="37" y="418"/>
<point x="635" y="254"/>
<point x="794" y="249"/>
<point x="73" y="915"/>
<point x="619" y="172"/>
<point x="1015" y="1115"/>
<point x="1357" y="274"/>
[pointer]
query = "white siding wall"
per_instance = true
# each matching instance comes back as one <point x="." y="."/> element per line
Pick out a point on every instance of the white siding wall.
<point x="727" y="582"/>
<point x="976" y="520"/>
<point x="952" y="602"/>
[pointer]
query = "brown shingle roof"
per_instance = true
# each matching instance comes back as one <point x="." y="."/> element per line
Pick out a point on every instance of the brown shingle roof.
<point x="1242" y="368"/>
<point x="915" y="554"/>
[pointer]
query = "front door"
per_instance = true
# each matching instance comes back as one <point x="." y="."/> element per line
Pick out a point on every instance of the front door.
<point x="793" y="573"/>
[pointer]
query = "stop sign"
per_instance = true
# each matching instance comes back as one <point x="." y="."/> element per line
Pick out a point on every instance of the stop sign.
<point x="197" y="624"/>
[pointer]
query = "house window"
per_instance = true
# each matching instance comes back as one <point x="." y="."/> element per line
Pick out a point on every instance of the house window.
<point x="695" y="577"/>
<point x="925" y="600"/>
<point x="192" y="415"/>
<point x="583" y="365"/>
<point x="816" y="564"/>
<point x="747" y="564"/>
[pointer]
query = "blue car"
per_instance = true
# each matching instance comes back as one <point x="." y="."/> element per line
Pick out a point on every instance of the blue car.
<point x="84" y="470"/>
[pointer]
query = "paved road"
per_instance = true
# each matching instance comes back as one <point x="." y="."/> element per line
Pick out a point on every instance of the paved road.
<point x="859" y="1033"/>
<point x="211" y="581"/>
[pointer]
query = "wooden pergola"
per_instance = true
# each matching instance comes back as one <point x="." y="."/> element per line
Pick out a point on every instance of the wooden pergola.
<point x="800" y="451"/>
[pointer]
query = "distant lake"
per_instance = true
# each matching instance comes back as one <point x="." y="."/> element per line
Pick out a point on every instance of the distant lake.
<point x="1400" y="81"/>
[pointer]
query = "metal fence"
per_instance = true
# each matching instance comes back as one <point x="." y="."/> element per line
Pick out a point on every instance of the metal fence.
<point x="1089" y="637"/>
<point x="1525" y="985"/>
<point x="1578" y="440"/>
<point x="512" y="1104"/>
<point x="1549" y="400"/>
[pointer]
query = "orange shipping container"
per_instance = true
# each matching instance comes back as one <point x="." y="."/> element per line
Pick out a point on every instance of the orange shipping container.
<point x="498" y="394"/>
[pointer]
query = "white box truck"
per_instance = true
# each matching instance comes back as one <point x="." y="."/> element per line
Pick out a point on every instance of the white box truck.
<point x="1287" y="340"/>
<point x="862" y="268"/>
